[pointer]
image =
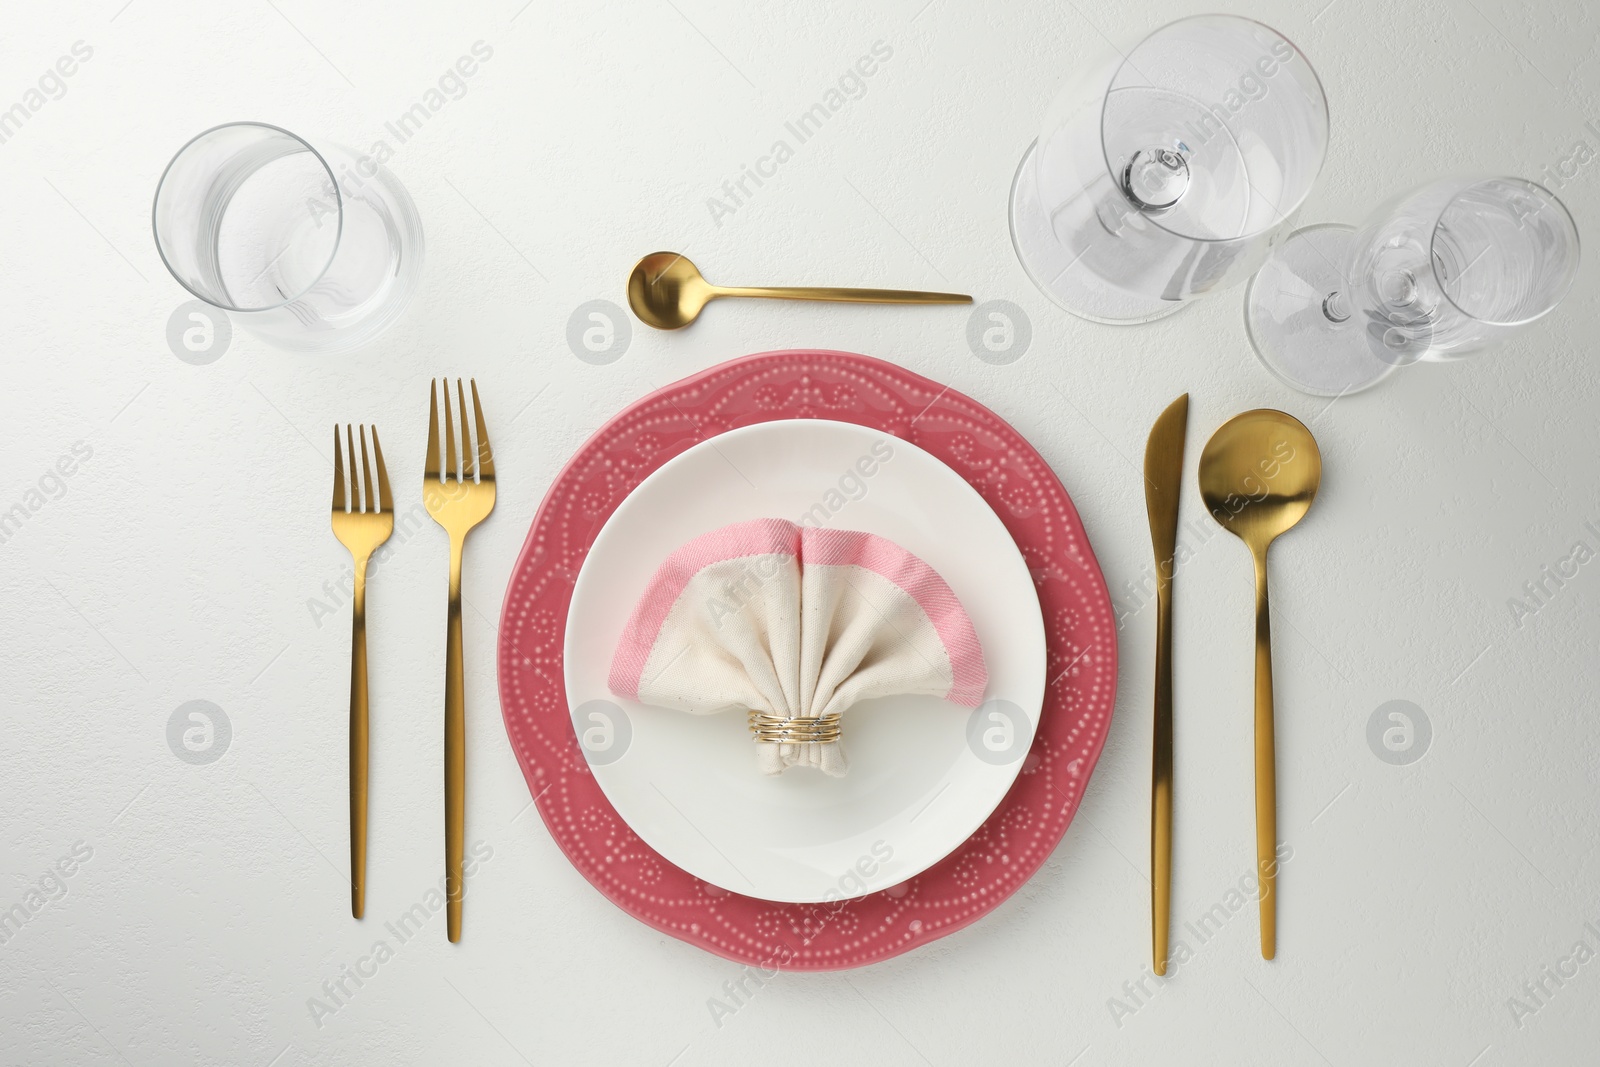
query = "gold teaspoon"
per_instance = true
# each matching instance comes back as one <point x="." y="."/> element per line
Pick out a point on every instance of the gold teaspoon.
<point x="1258" y="476"/>
<point x="668" y="292"/>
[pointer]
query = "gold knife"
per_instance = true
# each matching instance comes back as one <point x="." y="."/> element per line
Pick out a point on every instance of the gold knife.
<point x="1163" y="473"/>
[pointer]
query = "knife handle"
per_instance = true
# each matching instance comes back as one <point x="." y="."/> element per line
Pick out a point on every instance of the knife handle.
<point x="1161" y="780"/>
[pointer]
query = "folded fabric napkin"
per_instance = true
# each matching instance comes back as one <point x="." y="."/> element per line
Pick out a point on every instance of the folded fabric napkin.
<point x="792" y="625"/>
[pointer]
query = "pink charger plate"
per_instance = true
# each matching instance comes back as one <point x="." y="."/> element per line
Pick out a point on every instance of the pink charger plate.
<point x="1080" y="636"/>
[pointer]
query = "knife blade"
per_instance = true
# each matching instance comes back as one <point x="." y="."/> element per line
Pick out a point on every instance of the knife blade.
<point x="1163" y="474"/>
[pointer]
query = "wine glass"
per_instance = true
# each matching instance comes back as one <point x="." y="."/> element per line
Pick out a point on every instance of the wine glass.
<point x="1434" y="274"/>
<point x="312" y="248"/>
<point x="1166" y="173"/>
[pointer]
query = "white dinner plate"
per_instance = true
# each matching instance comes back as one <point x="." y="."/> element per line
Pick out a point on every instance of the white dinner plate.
<point x="924" y="773"/>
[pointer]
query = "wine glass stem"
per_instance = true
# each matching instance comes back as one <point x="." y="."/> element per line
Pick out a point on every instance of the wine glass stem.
<point x="1336" y="306"/>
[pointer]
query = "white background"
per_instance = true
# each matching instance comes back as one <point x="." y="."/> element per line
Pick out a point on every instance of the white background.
<point x="180" y="559"/>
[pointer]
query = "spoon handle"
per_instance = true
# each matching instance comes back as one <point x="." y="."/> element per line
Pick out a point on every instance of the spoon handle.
<point x="848" y="296"/>
<point x="1266" y="770"/>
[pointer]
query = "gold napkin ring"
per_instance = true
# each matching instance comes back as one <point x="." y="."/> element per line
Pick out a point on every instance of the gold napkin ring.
<point x="777" y="729"/>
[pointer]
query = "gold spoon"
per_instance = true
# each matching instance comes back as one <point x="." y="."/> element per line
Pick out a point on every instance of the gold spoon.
<point x="1258" y="476"/>
<point x="668" y="292"/>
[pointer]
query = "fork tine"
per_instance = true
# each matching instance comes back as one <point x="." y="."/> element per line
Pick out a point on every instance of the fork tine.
<point x="367" y="498"/>
<point x="338" y="472"/>
<point x="449" y="435"/>
<point x="430" y="466"/>
<point x="355" y="486"/>
<point x="469" y="459"/>
<point x="485" y="454"/>
<point x="385" y="502"/>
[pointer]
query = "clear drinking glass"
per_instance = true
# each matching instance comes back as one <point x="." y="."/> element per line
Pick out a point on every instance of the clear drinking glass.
<point x="312" y="248"/>
<point x="1166" y="173"/>
<point x="1434" y="274"/>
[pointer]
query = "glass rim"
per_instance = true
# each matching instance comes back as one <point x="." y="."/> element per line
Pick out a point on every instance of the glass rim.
<point x="1322" y="96"/>
<point x="1466" y="186"/>
<point x="338" y="201"/>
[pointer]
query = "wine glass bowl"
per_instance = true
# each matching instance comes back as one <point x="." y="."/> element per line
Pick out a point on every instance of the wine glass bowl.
<point x="1434" y="274"/>
<point x="1164" y="174"/>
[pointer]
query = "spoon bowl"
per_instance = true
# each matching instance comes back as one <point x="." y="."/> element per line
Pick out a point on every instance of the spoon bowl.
<point x="667" y="291"/>
<point x="1259" y="474"/>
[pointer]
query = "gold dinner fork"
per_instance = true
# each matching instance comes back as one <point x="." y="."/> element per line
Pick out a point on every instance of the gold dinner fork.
<point x="458" y="498"/>
<point x="361" y="527"/>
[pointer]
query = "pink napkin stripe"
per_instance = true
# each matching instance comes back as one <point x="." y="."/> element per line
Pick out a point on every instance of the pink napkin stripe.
<point x="844" y="548"/>
<point x="761" y="537"/>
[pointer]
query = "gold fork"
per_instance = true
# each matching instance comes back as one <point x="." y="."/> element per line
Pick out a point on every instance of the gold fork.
<point x="361" y="527"/>
<point x="458" y="498"/>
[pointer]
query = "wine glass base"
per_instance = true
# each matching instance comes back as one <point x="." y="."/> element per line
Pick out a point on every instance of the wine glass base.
<point x="1291" y="334"/>
<point x="1057" y="271"/>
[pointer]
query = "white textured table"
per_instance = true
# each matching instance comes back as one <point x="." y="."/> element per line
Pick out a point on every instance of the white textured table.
<point x="1438" y="912"/>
